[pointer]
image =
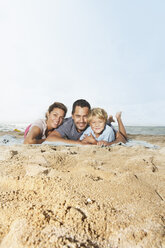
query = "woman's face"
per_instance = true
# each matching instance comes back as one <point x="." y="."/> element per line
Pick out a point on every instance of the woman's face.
<point x="55" y="118"/>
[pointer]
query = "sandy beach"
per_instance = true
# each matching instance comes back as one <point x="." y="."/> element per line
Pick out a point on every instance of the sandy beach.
<point x="89" y="196"/>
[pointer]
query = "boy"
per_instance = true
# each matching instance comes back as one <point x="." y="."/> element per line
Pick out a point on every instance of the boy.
<point x="99" y="132"/>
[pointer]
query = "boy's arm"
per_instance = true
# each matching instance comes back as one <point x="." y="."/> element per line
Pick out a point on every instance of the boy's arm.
<point x="89" y="140"/>
<point x="119" y="138"/>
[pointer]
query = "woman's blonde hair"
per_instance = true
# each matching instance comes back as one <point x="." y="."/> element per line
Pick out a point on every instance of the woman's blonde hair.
<point x="98" y="112"/>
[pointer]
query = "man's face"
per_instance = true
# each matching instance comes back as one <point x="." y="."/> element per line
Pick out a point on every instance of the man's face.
<point x="80" y="118"/>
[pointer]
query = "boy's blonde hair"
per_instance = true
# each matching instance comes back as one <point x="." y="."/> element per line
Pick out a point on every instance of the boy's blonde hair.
<point x="98" y="112"/>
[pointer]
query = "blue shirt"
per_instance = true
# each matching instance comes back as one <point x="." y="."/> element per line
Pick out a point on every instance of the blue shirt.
<point x="107" y="134"/>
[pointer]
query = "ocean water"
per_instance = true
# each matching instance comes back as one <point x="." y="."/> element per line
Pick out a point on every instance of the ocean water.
<point x="5" y="127"/>
<point x="145" y="130"/>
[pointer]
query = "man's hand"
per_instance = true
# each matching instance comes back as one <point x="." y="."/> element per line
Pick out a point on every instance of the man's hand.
<point x="89" y="140"/>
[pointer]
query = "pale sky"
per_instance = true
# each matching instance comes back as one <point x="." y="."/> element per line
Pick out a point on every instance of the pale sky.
<point x="109" y="52"/>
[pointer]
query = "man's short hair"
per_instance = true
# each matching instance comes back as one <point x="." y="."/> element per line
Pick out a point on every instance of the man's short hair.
<point x="81" y="103"/>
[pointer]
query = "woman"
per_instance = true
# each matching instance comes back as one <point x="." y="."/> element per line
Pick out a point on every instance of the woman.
<point x="37" y="132"/>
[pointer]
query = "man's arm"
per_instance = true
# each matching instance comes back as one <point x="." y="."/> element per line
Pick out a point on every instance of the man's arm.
<point x="56" y="137"/>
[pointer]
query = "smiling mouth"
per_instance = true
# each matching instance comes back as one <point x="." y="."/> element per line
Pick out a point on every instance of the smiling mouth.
<point x="81" y="124"/>
<point x="98" y="129"/>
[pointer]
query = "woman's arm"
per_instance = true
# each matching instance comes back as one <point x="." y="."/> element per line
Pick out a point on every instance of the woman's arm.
<point x="31" y="137"/>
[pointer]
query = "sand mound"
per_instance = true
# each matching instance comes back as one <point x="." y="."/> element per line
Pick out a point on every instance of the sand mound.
<point x="81" y="197"/>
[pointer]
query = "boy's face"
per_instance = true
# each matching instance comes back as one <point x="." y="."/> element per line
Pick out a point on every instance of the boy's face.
<point x="97" y="124"/>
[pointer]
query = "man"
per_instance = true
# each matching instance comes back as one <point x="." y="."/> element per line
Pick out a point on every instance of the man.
<point x="73" y="127"/>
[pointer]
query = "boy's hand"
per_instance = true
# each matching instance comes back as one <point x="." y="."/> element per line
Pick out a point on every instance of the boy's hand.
<point x="89" y="139"/>
<point x="102" y="143"/>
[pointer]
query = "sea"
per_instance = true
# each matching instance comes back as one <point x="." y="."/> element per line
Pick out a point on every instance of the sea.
<point x="144" y="130"/>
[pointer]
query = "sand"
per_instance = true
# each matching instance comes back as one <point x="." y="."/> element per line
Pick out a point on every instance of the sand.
<point x="111" y="197"/>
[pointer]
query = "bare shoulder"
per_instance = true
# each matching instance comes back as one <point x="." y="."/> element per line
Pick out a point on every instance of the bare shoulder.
<point x="32" y="135"/>
<point x="35" y="130"/>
